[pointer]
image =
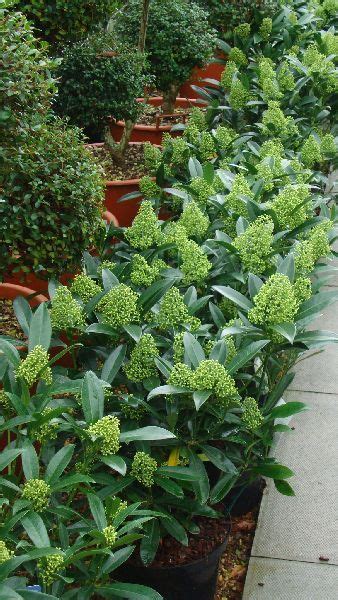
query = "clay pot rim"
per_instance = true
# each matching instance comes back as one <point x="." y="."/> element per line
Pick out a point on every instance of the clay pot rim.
<point x="122" y="182"/>
<point x="20" y="290"/>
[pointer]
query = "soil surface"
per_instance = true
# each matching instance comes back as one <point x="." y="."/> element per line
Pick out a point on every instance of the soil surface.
<point x="131" y="168"/>
<point x="150" y="112"/>
<point x="8" y="322"/>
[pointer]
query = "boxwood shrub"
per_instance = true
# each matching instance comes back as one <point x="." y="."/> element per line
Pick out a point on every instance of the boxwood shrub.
<point x="226" y="14"/>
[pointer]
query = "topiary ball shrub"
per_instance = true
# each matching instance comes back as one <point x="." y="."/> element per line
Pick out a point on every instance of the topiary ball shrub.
<point x="99" y="79"/>
<point x="226" y="14"/>
<point x="60" y="20"/>
<point x="179" y="37"/>
<point x="51" y="204"/>
<point x="26" y="84"/>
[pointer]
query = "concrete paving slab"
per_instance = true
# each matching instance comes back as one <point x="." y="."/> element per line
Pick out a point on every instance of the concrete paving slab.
<point x="318" y="373"/>
<point x="287" y="580"/>
<point x="304" y="527"/>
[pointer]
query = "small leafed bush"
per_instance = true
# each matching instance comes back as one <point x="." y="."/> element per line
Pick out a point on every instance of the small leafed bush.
<point x="225" y="14"/>
<point x="97" y="80"/>
<point x="59" y="20"/>
<point x="51" y="202"/>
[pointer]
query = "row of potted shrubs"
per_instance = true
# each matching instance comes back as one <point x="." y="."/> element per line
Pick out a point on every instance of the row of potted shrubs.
<point x="145" y="396"/>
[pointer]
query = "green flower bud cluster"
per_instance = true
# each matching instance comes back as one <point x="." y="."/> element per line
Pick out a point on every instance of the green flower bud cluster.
<point x="178" y="347"/>
<point x="141" y="364"/>
<point x="302" y="288"/>
<point x="5" y="554"/>
<point x="270" y="149"/>
<point x="321" y="69"/>
<point x="37" y="491"/>
<point x="224" y="136"/>
<point x="143" y="468"/>
<point x="132" y="412"/>
<point x="328" y="144"/>
<point x="48" y="430"/>
<point x="84" y="287"/>
<point x="197" y="118"/>
<point x="110" y="535"/>
<point x="228" y="74"/>
<point x="276" y="302"/>
<point x="252" y="416"/>
<point x="239" y="95"/>
<point x="66" y="313"/>
<point x="178" y="147"/>
<point x="310" y="250"/>
<point x="50" y="566"/>
<point x="274" y="148"/>
<point x="238" y="57"/>
<point x="290" y="206"/>
<point x="173" y="312"/>
<point x="107" y="430"/>
<point x="192" y="134"/>
<point x="206" y="147"/>
<point x="265" y="28"/>
<point x="119" y="306"/>
<point x="243" y="30"/>
<point x="144" y="274"/>
<point x="201" y="190"/>
<point x="194" y="221"/>
<point x="152" y="157"/>
<point x="285" y="78"/>
<point x="330" y="42"/>
<point x="181" y="376"/>
<point x="145" y="229"/>
<point x="267" y="79"/>
<point x="293" y="18"/>
<point x="311" y="151"/>
<point x="274" y="120"/>
<point x="211" y="375"/>
<point x="328" y="8"/>
<point x="228" y="308"/>
<point x="106" y="264"/>
<point x="149" y="188"/>
<point x="255" y="245"/>
<point x="35" y="366"/>
<point x="195" y="265"/>
<point x="4" y="401"/>
<point x="267" y="173"/>
<point x="231" y="348"/>
<point x="233" y="201"/>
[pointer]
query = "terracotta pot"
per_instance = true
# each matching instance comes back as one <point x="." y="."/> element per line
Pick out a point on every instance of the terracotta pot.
<point x="213" y="70"/>
<point x="151" y="133"/>
<point x="10" y="291"/>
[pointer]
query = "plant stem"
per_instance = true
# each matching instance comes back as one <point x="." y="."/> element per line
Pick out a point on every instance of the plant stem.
<point x="143" y="26"/>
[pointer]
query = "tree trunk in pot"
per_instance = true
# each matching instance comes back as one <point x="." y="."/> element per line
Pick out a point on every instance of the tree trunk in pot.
<point x="169" y="99"/>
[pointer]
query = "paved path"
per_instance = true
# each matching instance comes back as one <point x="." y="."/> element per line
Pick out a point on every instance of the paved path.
<point x="293" y="532"/>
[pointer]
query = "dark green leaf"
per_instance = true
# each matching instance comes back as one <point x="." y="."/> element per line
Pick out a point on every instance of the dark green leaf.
<point x="40" y="330"/>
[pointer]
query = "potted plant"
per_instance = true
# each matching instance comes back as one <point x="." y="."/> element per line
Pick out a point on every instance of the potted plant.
<point x="178" y="37"/>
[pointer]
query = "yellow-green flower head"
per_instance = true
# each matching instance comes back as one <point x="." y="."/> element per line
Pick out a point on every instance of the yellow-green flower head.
<point x="35" y="367"/>
<point x="149" y="188"/>
<point x="267" y="79"/>
<point x="192" y="134"/>
<point x="238" y="57"/>
<point x="110" y="535"/>
<point x="231" y="348"/>
<point x="197" y="118"/>
<point x="252" y="416"/>
<point x="233" y="201"/>
<point x="243" y="30"/>
<point x="143" y="468"/>
<point x="330" y="41"/>
<point x="5" y="554"/>
<point x="145" y="229"/>
<point x="290" y="206"/>
<point x="66" y="313"/>
<point x="303" y="289"/>
<point x="107" y="430"/>
<point x="152" y="157"/>
<point x="224" y="136"/>
<point x="276" y="302"/>
<point x="228" y="308"/>
<point x="194" y="221"/>
<point x="304" y="259"/>
<point x="329" y="8"/>
<point x="201" y="190"/>
<point x="228" y="74"/>
<point x="178" y="147"/>
<point x="265" y="28"/>
<point x="255" y="245"/>
<point x="132" y="412"/>
<point x="181" y="375"/>
<point x="206" y="146"/>
<point x="50" y="566"/>
<point x="195" y="265"/>
<point x="322" y="70"/>
<point x="119" y="306"/>
<point x="37" y="491"/>
<point x="141" y="364"/>
<point x="275" y="121"/>
<point x="293" y="18"/>
<point x="178" y="347"/>
<point x="316" y="246"/>
<point x="211" y="375"/>
<point x="84" y="287"/>
<point x="311" y="152"/>
<point x="267" y="174"/>
<point x="4" y="401"/>
<point x="48" y="430"/>
<point x="144" y="274"/>
<point x="239" y="95"/>
<point x="328" y="144"/>
<point x="285" y="78"/>
<point x="106" y="264"/>
<point x="173" y="312"/>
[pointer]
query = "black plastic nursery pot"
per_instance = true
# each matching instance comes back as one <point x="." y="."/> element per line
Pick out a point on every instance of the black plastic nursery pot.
<point x="192" y="581"/>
